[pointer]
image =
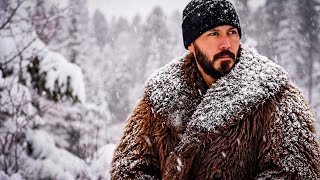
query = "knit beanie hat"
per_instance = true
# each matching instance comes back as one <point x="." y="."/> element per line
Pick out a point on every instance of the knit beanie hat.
<point x="200" y="16"/>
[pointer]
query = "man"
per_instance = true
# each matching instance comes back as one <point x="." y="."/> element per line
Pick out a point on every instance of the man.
<point x="220" y="112"/>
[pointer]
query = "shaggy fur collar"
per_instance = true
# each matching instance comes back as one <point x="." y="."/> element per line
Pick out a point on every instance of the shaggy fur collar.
<point x="252" y="81"/>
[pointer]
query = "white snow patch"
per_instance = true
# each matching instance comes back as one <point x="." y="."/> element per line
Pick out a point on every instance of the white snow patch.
<point x="101" y="163"/>
<point x="59" y="69"/>
<point x="50" y="161"/>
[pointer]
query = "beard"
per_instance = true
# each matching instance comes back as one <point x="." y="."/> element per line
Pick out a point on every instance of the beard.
<point x="207" y="64"/>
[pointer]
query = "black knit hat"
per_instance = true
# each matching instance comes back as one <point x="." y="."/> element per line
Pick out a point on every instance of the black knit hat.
<point x="200" y="16"/>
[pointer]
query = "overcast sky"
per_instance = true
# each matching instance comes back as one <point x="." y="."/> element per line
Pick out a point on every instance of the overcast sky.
<point x="128" y="8"/>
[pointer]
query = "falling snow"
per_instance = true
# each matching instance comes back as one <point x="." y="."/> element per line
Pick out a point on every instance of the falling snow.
<point x="96" y="68"/>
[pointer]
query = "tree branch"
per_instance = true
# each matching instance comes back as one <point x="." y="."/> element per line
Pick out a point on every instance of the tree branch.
<point x="11" y="15"/>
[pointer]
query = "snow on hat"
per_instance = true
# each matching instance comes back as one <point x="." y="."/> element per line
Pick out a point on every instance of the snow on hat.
<point x="200" y="16"/>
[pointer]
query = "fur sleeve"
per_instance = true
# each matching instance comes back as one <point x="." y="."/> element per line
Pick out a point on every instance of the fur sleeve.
<point x="289" y="147"/>
<point x="135" y="158"/>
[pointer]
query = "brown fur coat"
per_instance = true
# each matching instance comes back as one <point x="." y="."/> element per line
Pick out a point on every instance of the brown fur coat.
<point x="251" y="124"/>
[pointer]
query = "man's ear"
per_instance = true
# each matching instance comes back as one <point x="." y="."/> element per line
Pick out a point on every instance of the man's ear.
<point x="191" y="48"/>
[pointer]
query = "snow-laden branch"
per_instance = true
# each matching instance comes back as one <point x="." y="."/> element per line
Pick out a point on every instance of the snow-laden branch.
<point x="48" y="160"/>
<point x="59" y="72"/>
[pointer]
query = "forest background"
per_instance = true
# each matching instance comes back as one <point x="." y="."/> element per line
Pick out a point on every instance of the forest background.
<point x="70" y="78"/>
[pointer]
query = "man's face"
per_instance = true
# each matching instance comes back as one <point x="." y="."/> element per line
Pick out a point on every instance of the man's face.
<point x="215" y="50"/>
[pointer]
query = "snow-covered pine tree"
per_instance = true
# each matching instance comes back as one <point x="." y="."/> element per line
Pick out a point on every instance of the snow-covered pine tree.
<point x="78" y="21"/>
<point x="280" y="38"/>
<point x="122" y="70"/>
<point x="156" y="37"/>
<point x="21" y="98"/>
<point x="309" y="11"/>
<point x="175" y="45"/>
<point x="100" y="29"/>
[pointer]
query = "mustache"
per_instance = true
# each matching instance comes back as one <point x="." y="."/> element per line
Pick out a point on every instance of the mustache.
<point x="224" y="53"/>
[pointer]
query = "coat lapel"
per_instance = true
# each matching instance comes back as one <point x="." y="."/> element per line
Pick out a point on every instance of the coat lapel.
<point x="253" y="80"/>
<point x="171" y="96"/>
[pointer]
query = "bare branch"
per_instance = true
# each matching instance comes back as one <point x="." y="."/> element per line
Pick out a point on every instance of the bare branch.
<point x="19" y="53"/>
<point x="11" y="15"/>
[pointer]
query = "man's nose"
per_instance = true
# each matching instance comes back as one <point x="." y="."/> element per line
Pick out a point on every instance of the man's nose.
<point x="225" y="43"/>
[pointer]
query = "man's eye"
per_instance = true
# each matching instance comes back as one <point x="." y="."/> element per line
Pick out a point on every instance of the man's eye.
<point x="233" y="32"/>
<point x="214" y="34"/>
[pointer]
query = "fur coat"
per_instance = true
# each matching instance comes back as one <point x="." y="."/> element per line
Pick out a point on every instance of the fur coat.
<point x="253" y="123"/>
